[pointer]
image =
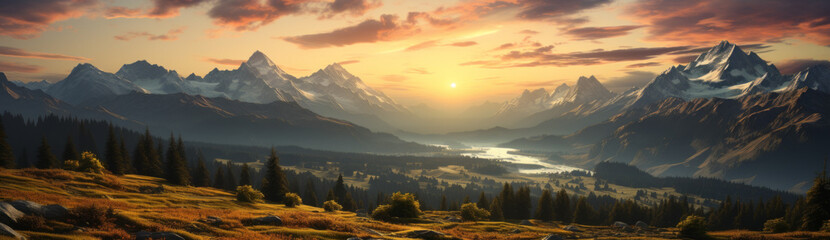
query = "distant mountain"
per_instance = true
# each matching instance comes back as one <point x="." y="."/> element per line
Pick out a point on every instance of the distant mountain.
<point x="87" y="82"/>
<point x="41" y="85"/>
<point x="28" y="102"/>
<point x="154" y="78"/>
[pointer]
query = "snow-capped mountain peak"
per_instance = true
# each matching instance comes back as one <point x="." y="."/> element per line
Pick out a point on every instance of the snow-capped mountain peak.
<point x="87" y="82"/>
<point x="587" y="89"/>
<point x="266" y="69"/>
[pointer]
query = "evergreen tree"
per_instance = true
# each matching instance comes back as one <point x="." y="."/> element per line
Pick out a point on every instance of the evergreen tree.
<point x="496" y="213"/>
<point x="310" y="196"/>
<point x="177" y="172"/>
<point x="87" y="141"/>
<point x="483" y="202"/>
<point x="180" y="147"/>
<point x="544" y="210"/>
<point x="342" y="195"/>
<point x="245" y="175"/>
<point x="523" y="203"/>
<point x="201" y="176"/>
<point x="562" y="207"/>
<point x="70" y="152"/>
<point x="443" y="203"/>
<point x="330" y="196"/>
<point x="274" y="185"/>
<point x="114" y="163"/>
<point x="583" y="212"/>
<point x="219" y="179"/>
<point x="6" y="154"/>
<point x="141" y="160"/>
<point x="466" y="199"/>
<point x="508" y="203"/>
<point x="817" y="209"/>
<point x="45" y="157"/>
<point x="24" y="162"/>
<point x="125" y="155"/>
<point x="230" y="178"/>
<point x="154" y="168"/>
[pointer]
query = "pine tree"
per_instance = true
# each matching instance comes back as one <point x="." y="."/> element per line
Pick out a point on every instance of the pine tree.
<point x="181" y="148"/>
<point x="523" y="203"/>
<point x="496" y="213"/>
<point x="340" y="194"/>
<point x="219" y="179"/>
<point x="154" y="166"/>
<point x="87" y="141"/>
<point x="201" y="176"/>
<point x="125" y="155"/>
<point x="245" y="175"/>
<point x="310" y="196"/>
<point x="141" y="162"/>
<point x="443" y="203"/>
<point x="330" y="196"/>
<point x="230" y="178"/>
<point x="6" y="154"/>
<point x="506" y="198"/>
<point x="45" y="158"/>
<point x="818" y="202"/>
<point x="70" y="152"/>
<point x="274" y="185"/>
<point x="483" y="202"/>
<point x="113" y="155"/>
<point x="562" y="207"/>
<point x="544" y="210"/>
<point x="583" y="213"/>
<point x="24" y="162"/>
<point x="176" y="167"/>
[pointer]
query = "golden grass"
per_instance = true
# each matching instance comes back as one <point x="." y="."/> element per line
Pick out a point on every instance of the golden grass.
<point x="754" y="235"/>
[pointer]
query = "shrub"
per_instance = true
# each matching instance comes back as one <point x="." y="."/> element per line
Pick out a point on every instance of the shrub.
<point x="402" y="205"/>
<point x="692" y="226"/>
<point x="331" y="206"/>
<point x="248" y="194"/>
<point x="292" y="200"/>
<point x="33" y="223"/>
<point x="88" y="163"/>
<point x="91" y="215"/>
<point x="471" y="212"/>
<point x="777" y="225"/>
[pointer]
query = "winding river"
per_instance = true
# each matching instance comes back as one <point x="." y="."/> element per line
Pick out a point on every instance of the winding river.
<point x="527" y="162"/>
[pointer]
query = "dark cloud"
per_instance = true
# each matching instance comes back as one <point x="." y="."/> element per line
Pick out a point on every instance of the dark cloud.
<point x="224" y="61"/>
<point x="18" y="67"/>
<point x="796" y="65"/>
<point x="629" y="80"/>
<point x="170" y="8"/>
<point x="417" y="71"/>
<point x="543" y="56"/>
<point x="387" y="28"/>
<point x="463" y="44"/>
<point x="645" y="64"/>
<point x="242" y="15"/>
<point x="556" y="10"/>
<point x="122" y="12"/>
<point x="592" y="33"/>
<point x="171" y="35"/>
<point x="698" y="22"/>
<point x="348" y="62"/>
<point x="24" y="19"/>
<point x="16" y="52"/>
<point x="353" y="7"/>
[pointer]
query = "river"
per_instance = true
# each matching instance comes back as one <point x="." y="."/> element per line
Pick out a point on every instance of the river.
<point x="504" y="154"/>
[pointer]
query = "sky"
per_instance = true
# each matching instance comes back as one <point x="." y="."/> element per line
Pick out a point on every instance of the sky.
<point x="411" y="50"/>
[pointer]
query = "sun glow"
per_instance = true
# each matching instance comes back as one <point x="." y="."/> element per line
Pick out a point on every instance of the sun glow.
<point x="452" y="85"/>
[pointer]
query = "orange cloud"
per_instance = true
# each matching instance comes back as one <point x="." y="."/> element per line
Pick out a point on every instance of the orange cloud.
<point x="27" y="19"/>
<point x="171" y="35"/>
<point x="224" y="61"/>
<point x="387" y="28"/>
<point x="18" y="67"/>
<point x="348" y="62"/>
<point x="16" y="52"/>
<point x="593" y="33"/>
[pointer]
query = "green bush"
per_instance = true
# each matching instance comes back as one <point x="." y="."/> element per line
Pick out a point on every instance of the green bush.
<point x="88" y="163"/>
<point x="777" y="225"/>
<point x="248" y="194"/>
<point x="331" y="206"/>
<point x="471" y="212"/>
<point x="402" y="205"/>
<point x="692" y="226"/>
<point x="292" y="200"/>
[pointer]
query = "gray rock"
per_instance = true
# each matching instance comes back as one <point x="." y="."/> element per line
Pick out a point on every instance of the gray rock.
<point x="9" y="214"/>
<point x="268" y="220"/>
<point x="55" y="212"/>
<point x="424" y="234"/>
<point x="28" y="207"/>
<point x="9" y="232"/>
<point x="619" y="224"/>
<point x="213" y="220"/>
<point x="571" y="228"/>
<point x="526" y="223"/>
<point x="553" y="237"/>
<point x="641" y="224"/>
<point x="157" y="235"/>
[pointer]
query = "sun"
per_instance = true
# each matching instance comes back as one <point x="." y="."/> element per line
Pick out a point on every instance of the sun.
<point x="452" y="85"/>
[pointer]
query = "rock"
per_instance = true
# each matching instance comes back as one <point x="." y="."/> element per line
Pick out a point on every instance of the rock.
<point x="526" y="223"/>
<point x="619" y="224"/>
<point x="268" y="220"/>
<point x="9" y="214"/>
<point x="157" y="235"/>
<point x="553" y="237"/>
<point x="5" y="230"/>
<point x="641" y="224"/>
<point x="424" y="234"/>
<point x="212" y="220"/>
<point x="55" y="212"/>
<point x="516" y="231"/>
<point x="28" y="207"/>
<point x="571" y="228"/>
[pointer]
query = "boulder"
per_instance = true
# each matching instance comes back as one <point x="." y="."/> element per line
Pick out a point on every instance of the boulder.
<point x="268" y="220"/>
<point x="553" y="237"/>
<point x="424" y="234"/>
<point x="571" y="228"/>
<point x="641" y="224"/>
<point x="212" y="220"/>
<point x="9" y="214"/>
<point x="619" y="224"/>
<point x="157" y="235"/>
<point x="7" y="231"/>
<point x="55" y="212"/>
<point x="28" y="207"/>
<point x="526" y="223"/>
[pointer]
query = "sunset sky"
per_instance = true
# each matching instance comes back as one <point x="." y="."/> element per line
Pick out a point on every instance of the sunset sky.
<point x="411" y="50"/>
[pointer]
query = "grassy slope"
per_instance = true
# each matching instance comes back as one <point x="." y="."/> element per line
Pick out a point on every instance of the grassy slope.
<point x="178" y="210"/>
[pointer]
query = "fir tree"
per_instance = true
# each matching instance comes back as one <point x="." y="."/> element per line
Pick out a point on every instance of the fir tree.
<point x="583" y="213"/>
<point x="201" y="176"/>
<point x="154" y="167"/>
<point x="523" y="203"/>
<point x="496" y="213"/>
<point x="219" y="179"/>
<point x="70" y="152"/>
<point x="483" y="202"/>
<point x="176" y="167"/>
<point x="230" y="178"/>
<point x="443" y="203"/>
<point x="506" y="198"/>
<point x="6" y="154"/>
<point x="45" y="157"/>
<point x="141" y="161"/>
<point x="125" y="155"/>
<point x="562" y="207"/>
<point x="114" y="163"/>
<point x="274" y="185"/>
<point x="330" y="196"/>
<point x="245" y="175"/>
<point x="310" y="196"/>
<point x="544" y="210"/>
<point x="817" y="209"/>
<point x="24" y="162"/>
